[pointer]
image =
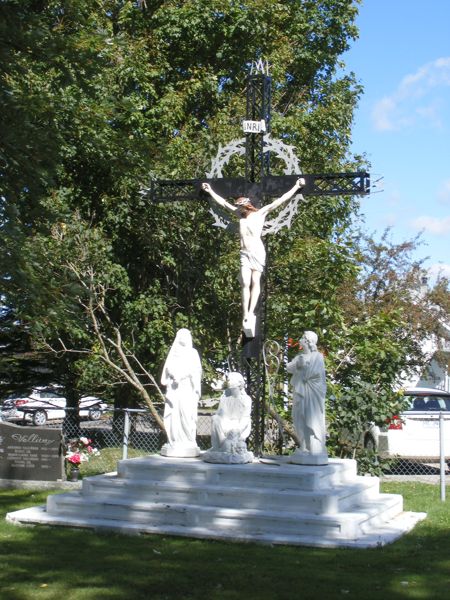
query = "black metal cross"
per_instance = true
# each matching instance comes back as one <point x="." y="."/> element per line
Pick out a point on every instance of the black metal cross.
<point x="329" y="184"/>
<point x="259" y="185"/>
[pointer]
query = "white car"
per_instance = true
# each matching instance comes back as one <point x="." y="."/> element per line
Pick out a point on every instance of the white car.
<point x="47" y="404"/>
<point x="415" y="432"/>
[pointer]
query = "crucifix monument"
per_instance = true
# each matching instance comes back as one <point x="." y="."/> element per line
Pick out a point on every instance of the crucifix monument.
<point x="184" y="496"/>
<point x="258" y="184"/>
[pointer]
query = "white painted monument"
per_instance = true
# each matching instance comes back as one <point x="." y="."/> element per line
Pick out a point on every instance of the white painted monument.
<point x="182" y="376"/>
<point x="231" y="425"/>
<point x="308" y="402"/>
<point x="318" y="502"/>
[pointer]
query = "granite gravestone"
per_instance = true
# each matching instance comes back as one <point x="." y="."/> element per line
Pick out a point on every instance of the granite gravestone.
<point x="30" y="453"/>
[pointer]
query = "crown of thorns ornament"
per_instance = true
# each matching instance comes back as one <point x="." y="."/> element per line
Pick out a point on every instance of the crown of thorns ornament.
<point x="292" y="167"/>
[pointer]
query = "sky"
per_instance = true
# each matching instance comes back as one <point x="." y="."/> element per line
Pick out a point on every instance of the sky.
<point x="402" y="124"/>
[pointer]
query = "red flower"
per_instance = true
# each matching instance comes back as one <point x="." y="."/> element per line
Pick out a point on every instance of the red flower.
<point x="75" y="459"/>
<point x="292" y="343"/>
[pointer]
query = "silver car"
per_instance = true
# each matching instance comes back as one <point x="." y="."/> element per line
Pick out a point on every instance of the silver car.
<point x="47" y="404"/>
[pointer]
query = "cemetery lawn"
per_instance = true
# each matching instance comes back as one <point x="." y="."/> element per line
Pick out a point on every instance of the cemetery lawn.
<point x="59" y="563"/>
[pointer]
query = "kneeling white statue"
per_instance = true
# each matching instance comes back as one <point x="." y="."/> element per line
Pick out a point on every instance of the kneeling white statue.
<point x="231" y="425"/>
<point x="182" y="376"/>
<point x="308" y="403"/>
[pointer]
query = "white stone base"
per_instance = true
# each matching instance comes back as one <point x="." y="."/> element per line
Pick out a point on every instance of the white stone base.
<point x="300" y="457"/>
<point x="227" y="458"/>
<point x="180" y="451"/>
<point x="275" y="502"/>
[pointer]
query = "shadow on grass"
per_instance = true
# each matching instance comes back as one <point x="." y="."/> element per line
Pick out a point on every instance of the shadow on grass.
<point x="44" y="562"/>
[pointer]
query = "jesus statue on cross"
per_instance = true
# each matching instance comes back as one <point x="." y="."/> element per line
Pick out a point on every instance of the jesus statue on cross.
<point x="253" y="253"/>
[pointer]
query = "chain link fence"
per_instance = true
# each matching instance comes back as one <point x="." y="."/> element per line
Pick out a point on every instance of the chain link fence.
<point x="129" y="433"/>
<point x="434" y="467"/>
<point x="118" y="434"/>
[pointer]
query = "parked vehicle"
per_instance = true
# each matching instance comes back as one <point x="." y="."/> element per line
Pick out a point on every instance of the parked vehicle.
<point x="47" y="404"/>
<point x="415" y="432"/>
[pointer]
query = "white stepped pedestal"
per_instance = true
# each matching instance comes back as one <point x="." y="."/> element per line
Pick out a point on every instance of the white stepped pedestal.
<point x="305" y="458"/>
<point x="270" y="501"/>
<point x="180" y="451"/>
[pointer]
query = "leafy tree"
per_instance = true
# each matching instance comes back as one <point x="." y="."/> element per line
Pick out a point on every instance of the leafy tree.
<point x="388" y="313"/>
<point x="136" y="92"/>
<point x="21" y="366"/>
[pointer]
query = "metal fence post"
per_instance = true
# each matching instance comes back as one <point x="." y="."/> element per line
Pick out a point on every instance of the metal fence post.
<point x="126" y="434"/>
<point x="442" y="455"/>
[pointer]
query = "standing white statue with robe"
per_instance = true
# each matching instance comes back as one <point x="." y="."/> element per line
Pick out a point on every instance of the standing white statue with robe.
<point x="182" y="374"/>
<point x="308" y="403"/>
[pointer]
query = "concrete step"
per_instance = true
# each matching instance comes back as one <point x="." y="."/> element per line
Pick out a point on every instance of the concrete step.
<point x="192" y="472"/>
<point x="332" y="500"/>
<point x="376" y="537"/>
<point x="345" y="525"/>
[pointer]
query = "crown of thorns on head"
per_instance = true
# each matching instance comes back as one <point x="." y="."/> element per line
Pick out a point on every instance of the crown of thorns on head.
<point x="242" y="201"/>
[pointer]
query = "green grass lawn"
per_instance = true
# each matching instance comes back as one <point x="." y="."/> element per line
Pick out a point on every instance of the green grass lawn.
<point x="67" y="564"/>
<point x="106" y="461"/>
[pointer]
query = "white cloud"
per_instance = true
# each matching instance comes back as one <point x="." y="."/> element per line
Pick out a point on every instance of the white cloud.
<point x="411" y="101"/>
<point x="444" y="192"/>
<point x="439" y="270"/>
<point x="381" y="113"/>
<point x="432" y="113"/>
<point x="433" y="225"/>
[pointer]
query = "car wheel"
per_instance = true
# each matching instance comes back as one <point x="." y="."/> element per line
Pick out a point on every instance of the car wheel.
<point x="95" y="414"/>
<point x="39" y="418"/>
<point x="369" y="443"/>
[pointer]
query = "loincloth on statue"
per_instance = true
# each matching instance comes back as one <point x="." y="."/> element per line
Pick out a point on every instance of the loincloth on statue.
<point x="252" y="262"/>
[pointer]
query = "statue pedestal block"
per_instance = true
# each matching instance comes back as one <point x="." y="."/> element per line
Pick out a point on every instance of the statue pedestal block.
<point x="180" y="451"/>
<point x="306" y="458"/>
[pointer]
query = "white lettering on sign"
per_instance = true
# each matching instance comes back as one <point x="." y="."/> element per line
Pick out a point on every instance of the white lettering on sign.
<point x="254" y="126"/>
<point x="260" y="66"/>
<point x="33" y="438"/>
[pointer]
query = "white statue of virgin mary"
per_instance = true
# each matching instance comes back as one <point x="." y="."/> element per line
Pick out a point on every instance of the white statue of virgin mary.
<point x="182" y="376"/>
